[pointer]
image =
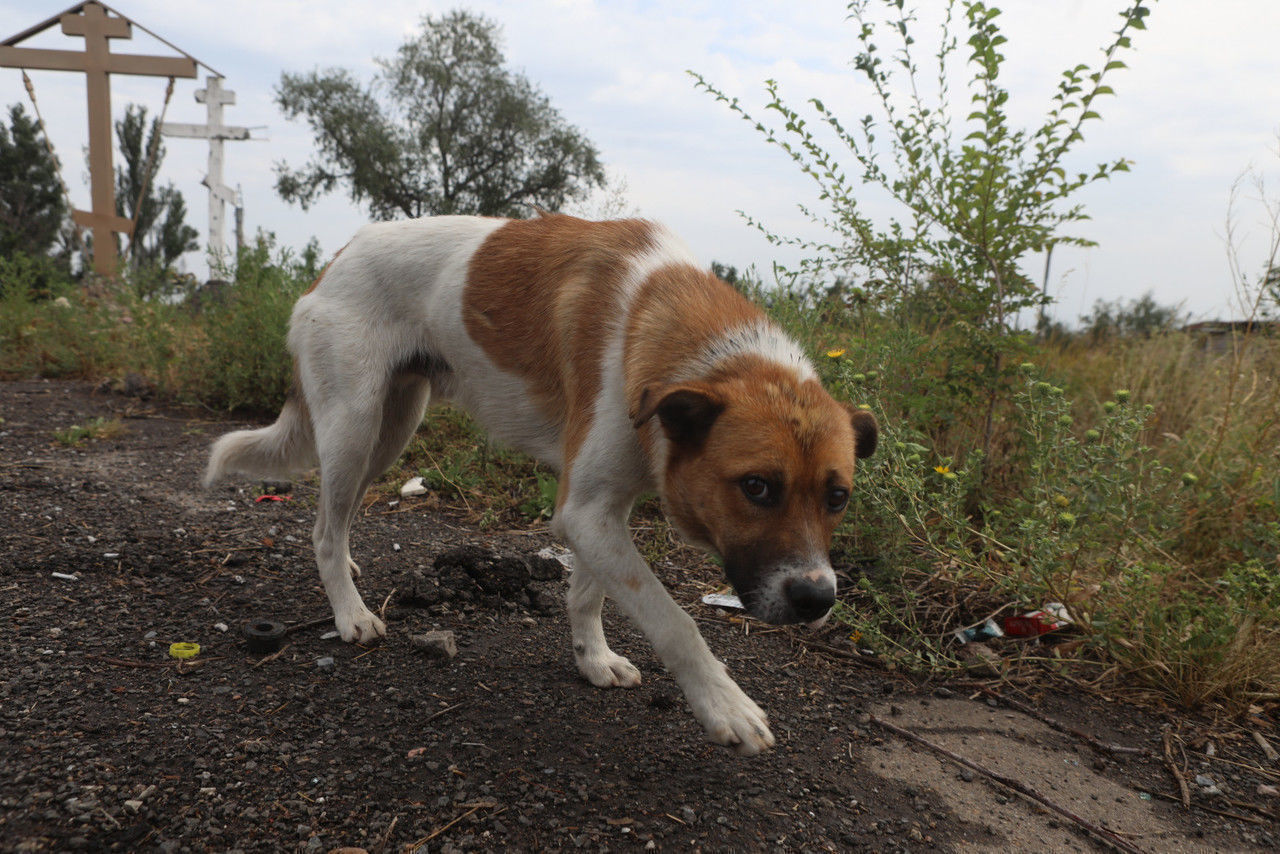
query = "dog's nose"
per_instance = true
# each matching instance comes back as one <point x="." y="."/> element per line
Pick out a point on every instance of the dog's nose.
<point x="809" y="599"/>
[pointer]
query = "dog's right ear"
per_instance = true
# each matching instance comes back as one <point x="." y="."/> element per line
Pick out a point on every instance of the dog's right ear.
<point x="686" y="411"/>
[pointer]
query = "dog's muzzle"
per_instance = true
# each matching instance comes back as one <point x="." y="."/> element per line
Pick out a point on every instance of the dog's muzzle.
<point x="809" y="600"/>
<point x="791" y="597"/>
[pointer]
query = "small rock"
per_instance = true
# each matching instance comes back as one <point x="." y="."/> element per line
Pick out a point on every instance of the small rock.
<point x="689" y="816"/>
<point x="1264" y="789"/>
<point x="1204" y="780"/>
<point x="966" y="775"/>
<point x="325" y="665"/>
<point x="440" y="645"/>
<point x="222" y="627"/>
<point x="133" y="805"/>
<point x="329" y="635"/>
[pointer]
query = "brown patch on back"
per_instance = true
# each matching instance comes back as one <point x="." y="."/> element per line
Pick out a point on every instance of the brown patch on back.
<point x="316" y="283"/>
<point x="678" y="310"/>
<point x="538" y="299"/>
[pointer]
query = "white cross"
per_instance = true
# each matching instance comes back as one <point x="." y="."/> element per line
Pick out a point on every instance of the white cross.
<point x="213" y="96"/>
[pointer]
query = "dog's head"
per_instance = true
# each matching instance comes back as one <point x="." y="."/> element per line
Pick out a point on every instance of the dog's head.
<point x="758" y="467"/>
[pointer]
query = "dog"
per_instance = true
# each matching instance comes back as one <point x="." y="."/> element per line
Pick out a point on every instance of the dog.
<point x="603" y="350"/>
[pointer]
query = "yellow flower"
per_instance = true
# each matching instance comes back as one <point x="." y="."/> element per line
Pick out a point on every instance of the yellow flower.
<point x="942" y="469"/>
<point x="835" y="354"/>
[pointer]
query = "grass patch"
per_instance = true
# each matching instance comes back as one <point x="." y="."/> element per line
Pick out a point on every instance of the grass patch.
<point x="97" y="428"/>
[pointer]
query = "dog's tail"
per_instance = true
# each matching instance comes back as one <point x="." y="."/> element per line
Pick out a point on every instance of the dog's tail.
<point x="284" y="449"/>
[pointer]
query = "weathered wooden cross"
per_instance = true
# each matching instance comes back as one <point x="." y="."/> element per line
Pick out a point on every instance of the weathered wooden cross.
<point x="214" y="97"/>
<point x="92" y="22"/>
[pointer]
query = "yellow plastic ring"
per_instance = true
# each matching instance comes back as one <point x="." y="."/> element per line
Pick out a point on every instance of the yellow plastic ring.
<point x="184" y="650"/>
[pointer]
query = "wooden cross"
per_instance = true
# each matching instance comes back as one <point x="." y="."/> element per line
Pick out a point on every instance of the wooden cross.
<point x="91" y="22"/>
<point x="214" y="97"/>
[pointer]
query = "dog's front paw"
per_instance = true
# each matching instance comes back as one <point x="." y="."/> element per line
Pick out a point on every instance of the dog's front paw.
<point x="729" y="716"/>
<point x="359" y="625"/>
<point x="608" y="670"/>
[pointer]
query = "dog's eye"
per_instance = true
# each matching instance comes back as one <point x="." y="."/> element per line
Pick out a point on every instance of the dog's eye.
<point x="756" y="489"/>
<point x="837" y="498"/>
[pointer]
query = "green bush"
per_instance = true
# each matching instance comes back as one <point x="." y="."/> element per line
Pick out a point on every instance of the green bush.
<point x="238" y="358"/>
<point x="974" y="196"/>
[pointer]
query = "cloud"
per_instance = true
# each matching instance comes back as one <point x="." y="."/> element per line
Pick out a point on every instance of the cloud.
<point x="1197" y="105"/>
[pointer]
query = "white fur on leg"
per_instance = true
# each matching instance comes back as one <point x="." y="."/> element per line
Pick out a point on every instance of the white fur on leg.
<point x="599" y="538"/>
<point x="726" y="713"/>
<point x="354" y="567"/>
<point x="598" y="664"/>
<point x="357" y="624"/>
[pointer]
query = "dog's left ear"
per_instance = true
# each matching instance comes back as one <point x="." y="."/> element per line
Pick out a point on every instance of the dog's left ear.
<point x="686" y="411"/>
<point x="866" y="433"/>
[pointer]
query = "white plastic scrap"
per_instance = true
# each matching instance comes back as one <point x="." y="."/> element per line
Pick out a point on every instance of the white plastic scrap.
<point x="413" y="486"/>
<point x="723" y="600"/>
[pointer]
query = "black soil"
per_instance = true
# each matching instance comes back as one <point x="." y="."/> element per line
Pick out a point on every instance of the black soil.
<point x="108" y="743"/>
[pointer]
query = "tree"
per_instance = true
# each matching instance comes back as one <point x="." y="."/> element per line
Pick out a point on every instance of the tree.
<point x="31" y="204"/>
<point x="444" y="128"/>
<point x="1142" y="317"/>
<point x="161" y="234"/>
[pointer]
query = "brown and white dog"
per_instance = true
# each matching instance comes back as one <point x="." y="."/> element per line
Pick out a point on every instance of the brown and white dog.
<point x="601" y="349"/>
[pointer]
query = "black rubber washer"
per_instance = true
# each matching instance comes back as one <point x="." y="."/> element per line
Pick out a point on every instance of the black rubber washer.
<point x="263" y="636"/>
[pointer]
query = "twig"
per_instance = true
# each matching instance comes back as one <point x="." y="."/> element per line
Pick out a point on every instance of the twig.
<point x="124" y="662"/>
<point x="1183" y="789"/>
<point x="866" y="661"/>
<point x="1108" y="836"/>
<point x="414" y="846"/>
<point x="272" y="657"/>
<point x="309" y="624"/>
<point x="1227" y="813"/>
<point x="1267" y="749"/>
<point x="381" y="846"/>
<point x="445" y="711"/>
<point x="387" y="835"/>
<point x="1059" y="726"/>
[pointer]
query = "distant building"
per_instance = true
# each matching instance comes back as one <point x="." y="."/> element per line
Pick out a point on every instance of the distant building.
<point x="1217" y="335"/>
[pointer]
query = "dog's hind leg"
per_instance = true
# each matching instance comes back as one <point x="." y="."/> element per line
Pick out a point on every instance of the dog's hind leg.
<point x="402" y="411"/>
<point x="600" y="665"/>
<point x="343" y="427"/>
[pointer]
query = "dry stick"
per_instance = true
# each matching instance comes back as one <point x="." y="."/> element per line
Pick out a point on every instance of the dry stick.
<point x="309" y="624"/>
<point x="1225" y="813"/>
<point x="123" y="662"/>
<point x="414" y="846"/>
<point x="1059" y="726"/>
<point x="1183" y="789"/>
<point x="1107" y="836"/>
<point x="1267" y="749"/>
<point x="381" y="847"/>
<point x="272" y="657"/>
<point x="445" y="711"/>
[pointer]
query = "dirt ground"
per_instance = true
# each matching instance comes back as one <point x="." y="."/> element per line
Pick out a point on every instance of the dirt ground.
<point x="110" y="551"/>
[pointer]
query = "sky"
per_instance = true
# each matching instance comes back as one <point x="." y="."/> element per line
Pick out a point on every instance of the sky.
<point x="1197" y="110"/>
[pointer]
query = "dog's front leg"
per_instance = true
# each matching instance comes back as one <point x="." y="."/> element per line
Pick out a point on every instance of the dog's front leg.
<point x="600" y="665"/>
<point x="602" y="546"/>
